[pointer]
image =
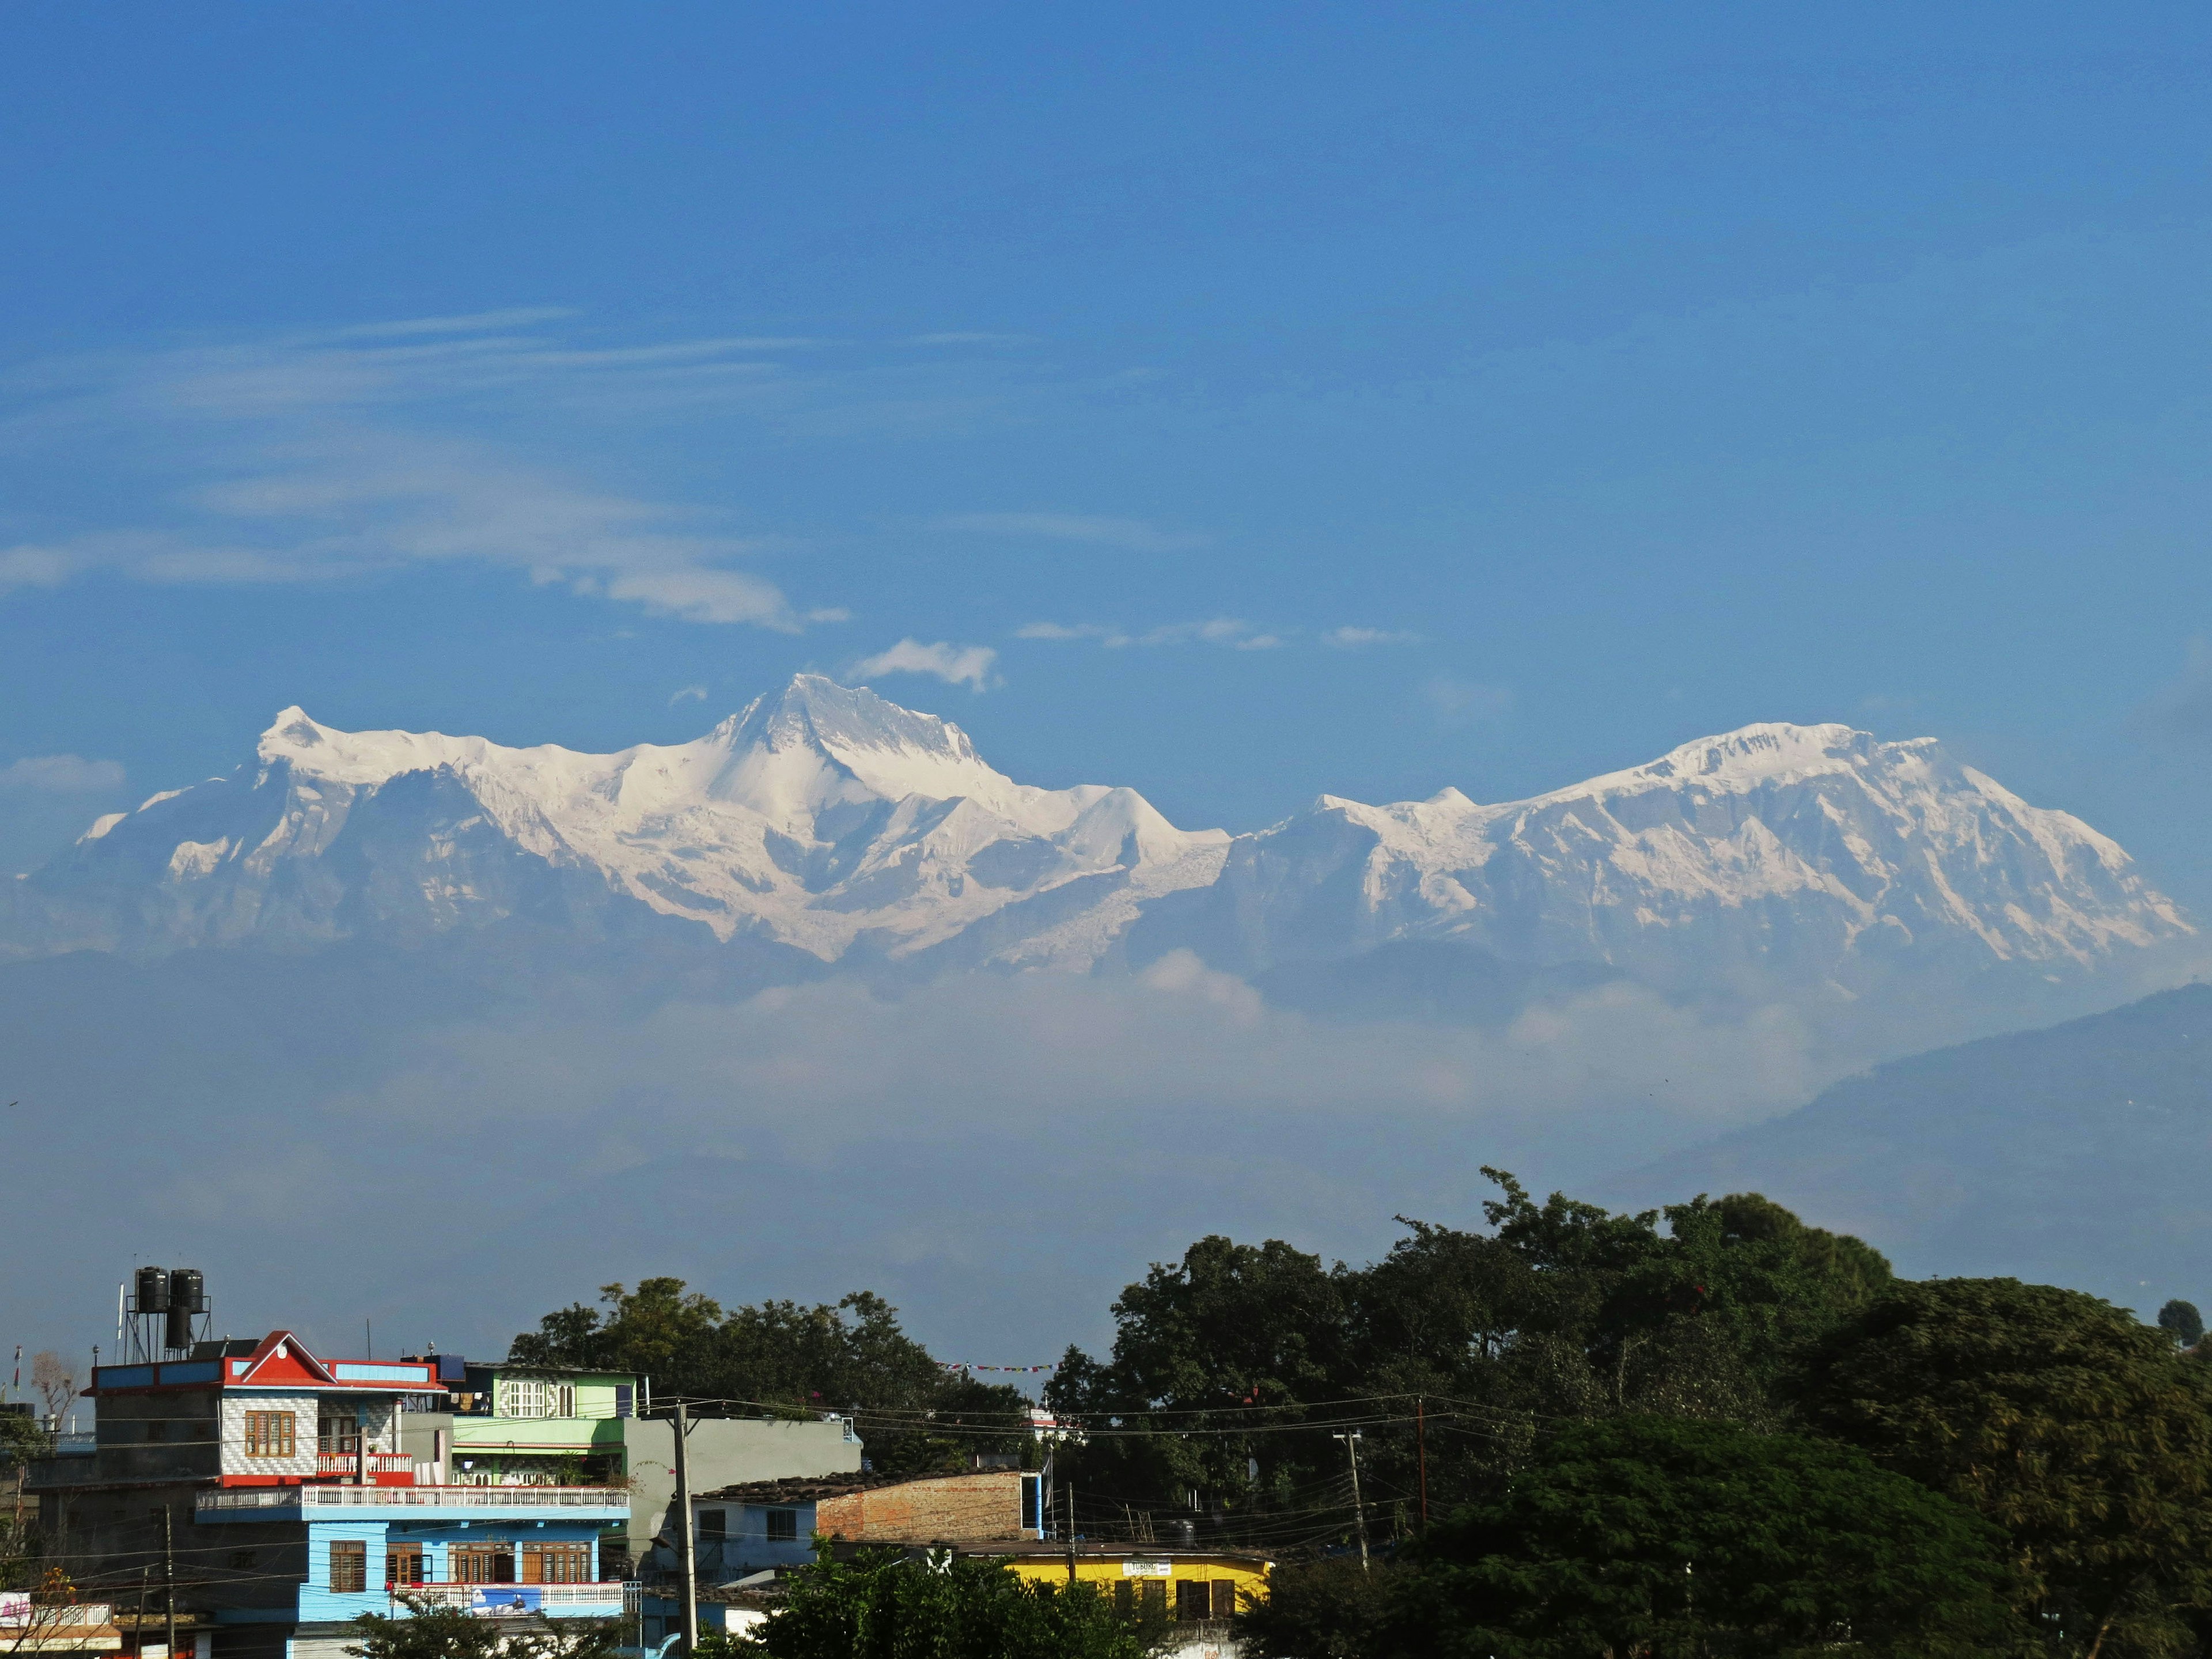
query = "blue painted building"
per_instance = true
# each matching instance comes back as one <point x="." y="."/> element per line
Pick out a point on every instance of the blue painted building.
<point x="283" y="1481"/>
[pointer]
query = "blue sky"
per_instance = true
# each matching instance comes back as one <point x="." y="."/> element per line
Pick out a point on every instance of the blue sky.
<point x="1249" y="401"/>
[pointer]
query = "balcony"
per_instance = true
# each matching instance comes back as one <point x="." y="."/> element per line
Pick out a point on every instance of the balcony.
<point x="312" y="1503"/>
<point x="346" y="1462"/>
<point x="522" y="1598"/>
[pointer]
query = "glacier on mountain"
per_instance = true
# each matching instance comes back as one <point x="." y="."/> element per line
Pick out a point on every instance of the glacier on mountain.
<point x="827" y="821"/>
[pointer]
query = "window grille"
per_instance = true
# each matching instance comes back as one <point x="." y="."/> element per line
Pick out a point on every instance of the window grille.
<point x="523" y="1397"/>
<point x="402" y="1564"/>
<point x="782" y="1526"/>
<point x="481" y="1563"/>
<point x="348" y="1568"/>
<point x="556" y="1564"/>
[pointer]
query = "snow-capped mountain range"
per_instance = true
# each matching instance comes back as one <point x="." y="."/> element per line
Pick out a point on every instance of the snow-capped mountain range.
<point x="829" y="821"/>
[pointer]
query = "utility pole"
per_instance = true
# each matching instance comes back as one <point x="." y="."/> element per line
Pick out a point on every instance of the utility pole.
<point x="684" y="1528"/>
<point x="1421" y="1442"/>
<point x="168" y="1579"/>
<point x="1071" y="1532"/>
<point x="1358" y="1510"/>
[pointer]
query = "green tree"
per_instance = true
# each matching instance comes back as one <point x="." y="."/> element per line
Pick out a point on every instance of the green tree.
<point x="783" y="1356"/>
<point x="1659" y="1536"/>
<point x="2181" y="1321"/>
<point x="425" y="1632"/>
<point x="1562" y="1309"/>
<point x="2056" y="1415"/>
<point x="659" y="1330"/>
<point x="1233" y="1337"/>
<point x="881" y="1605"/>
<point x="1332" y="1608"/>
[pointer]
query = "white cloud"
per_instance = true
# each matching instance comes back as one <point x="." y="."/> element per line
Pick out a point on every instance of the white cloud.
<point x="971" y="338"/>
<point x="688" y="694"/>
<point x="1351" y="639"/>
<point x="34" y="567"/>
<point x="956" y="664"/>
<point x="63" y="774"/>
<point x="1230" y="631"/>
<point x="313" y="456"/>
<point x="474" y="322"/>
<point x="706" y="596"/>
<point x="1133" y="535"/>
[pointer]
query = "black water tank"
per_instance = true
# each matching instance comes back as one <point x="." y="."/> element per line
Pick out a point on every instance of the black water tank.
<point x="153" y="1290"/>
<point x="187" y="1296"/>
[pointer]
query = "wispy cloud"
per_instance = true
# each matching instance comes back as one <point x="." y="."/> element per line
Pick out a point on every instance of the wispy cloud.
<point x="958" y="338"/>
<point x="1353" y="639"/>
<point x="1230" y="631"/>
<point x="688" y="694"/>
<point x="474" y="323"/>
<point x="62" y="775"/>
<point x="311" y="456"/>
<point x="956" y="664"/>
<point x="1131" y="535"/>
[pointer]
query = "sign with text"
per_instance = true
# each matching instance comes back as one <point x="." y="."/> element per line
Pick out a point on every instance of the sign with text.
<point x="1147" y="1569"/>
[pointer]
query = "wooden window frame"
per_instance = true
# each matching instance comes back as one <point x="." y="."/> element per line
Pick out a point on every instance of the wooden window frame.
<point x="462" y="1562"/>
<point x="272" y="1434"/>
<point x="396" y="1559"/>
<point x="348" y="1566"/>
<point x="567" y="1561"/>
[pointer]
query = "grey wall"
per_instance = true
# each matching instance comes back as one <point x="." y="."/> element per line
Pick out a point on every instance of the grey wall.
<point x="724" y="1451"/>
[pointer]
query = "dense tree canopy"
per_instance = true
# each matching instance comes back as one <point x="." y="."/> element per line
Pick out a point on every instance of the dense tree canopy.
<point x="1669" y="1535"/>
<point x="784" y="1357"/>
<point x="882" y="1606"/>
<point x="1563" y="1309"/>
<point x="2080" y="1432"/>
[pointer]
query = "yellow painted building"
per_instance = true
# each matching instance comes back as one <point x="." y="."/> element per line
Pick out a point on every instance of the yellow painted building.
<point x="1186" y="1583"/>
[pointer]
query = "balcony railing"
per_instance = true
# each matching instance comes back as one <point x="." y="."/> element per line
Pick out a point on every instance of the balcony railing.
<point x="350" y="1462"/>
<point x="427" y="1497"/>
<point x="492" y="1596"/>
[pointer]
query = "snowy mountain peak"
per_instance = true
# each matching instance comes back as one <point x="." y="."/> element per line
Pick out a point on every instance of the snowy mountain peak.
<point x="1777" y="859"/>
<point x="1751" y="756"/>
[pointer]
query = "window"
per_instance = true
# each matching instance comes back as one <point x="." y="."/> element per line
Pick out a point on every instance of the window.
<point x="783" y="1526"/>
<point x="402" y="1564"/>
<point x="625" y="1400"/>
<point x="481" y="1563"/>
<point x="556" y="1564"/>
<point x="348" y="1568"/>
<point x="522" y="1397"/>
<point x="1225" y="1598"/>
<point x="272" y="1434"/>
<point x="1031" y="1485"/>
<point x="564" y="1399"/>
<point x="1153" y="1593"/>
<point x="243" y="1561"/>
<point x="713" y="1523"/>
<point x="338" y="1434"/>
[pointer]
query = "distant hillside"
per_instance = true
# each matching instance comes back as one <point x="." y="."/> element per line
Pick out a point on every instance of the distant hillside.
<point x="2079" y="1155"/>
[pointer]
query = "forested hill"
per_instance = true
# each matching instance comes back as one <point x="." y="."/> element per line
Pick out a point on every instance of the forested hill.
<point x="2076" y="1154"/>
